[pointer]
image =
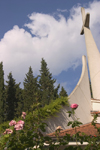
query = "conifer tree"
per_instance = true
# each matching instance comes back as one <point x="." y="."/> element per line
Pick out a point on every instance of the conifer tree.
<point x="30" y="90"/>
<point x="1" y="93"/>
<point x="19" y="100"/>
<point x="63" y="92"/>
<point x="11" y="100"/>
<point x="46" y="83"/>
<point x="56" y="91"/>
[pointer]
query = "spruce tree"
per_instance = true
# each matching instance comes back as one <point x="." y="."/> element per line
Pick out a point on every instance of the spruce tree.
<point x="46" y="83"/>
<point x="11" y="100"/>
<point x="56" y="95"/>
<point x="63" y="92"/>
<point x="30" y="90"/>
<point x="19" y="100"/>
<point x="1" y="93"/>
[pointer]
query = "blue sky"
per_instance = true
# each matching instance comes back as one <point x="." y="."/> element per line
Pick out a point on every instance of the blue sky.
<point x="49" y="29"/>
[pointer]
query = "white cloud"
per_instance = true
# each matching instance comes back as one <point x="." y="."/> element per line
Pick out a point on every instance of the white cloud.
<point x="58" y="41"/>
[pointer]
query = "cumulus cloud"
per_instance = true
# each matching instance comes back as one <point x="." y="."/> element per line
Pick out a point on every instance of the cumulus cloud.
<point x="58" y="41"/>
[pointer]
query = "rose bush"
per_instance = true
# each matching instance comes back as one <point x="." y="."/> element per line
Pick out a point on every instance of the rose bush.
<point x="17" y="125"/>
<point x="29" y="136"/>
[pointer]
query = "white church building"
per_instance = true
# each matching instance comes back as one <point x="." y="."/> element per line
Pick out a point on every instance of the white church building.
<point x="81" y="93"/>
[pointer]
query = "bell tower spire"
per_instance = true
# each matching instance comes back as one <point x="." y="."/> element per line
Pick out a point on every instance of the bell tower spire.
<point x="92" y="54"/>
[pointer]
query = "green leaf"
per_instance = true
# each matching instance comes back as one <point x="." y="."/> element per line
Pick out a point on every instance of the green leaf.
<point x="69" y="123"/>
<point x="70" y="112"/>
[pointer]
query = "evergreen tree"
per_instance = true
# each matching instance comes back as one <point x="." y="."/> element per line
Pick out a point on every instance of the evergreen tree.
<point x="63" y="92"/>
<point x="11" y="100"/>
<point x="46" y="83"/>
<point x="1" y="93"/>
<point x="56" y="91"/>
<point x="19" y="100"/>
<point x="30" y="90"/>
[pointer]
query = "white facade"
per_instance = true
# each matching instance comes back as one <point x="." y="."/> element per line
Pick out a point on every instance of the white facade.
<point x="96" y="108"/>
<point x="80" y="96"/>
<point x="81" y="93"/>
<point x="95" y="105"/>
<point x="93" y="55"/>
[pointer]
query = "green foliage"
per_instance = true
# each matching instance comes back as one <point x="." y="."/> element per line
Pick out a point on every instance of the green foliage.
<point x="53" y="107"/>
<point x="31" y="136"/>
<point x="19" y="100"/>
<point x="47" y="90"/>
<point x="74" y="123"/>
<point x="1" y="93"/>
<point x="12" y="98"/>
<point x="45" y="112"/>
<point x="34" y="95"/>
<point x="4" y="126"/>
<point x="30" y="90"/>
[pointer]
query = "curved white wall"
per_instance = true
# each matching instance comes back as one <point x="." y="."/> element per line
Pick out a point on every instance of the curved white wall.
<point x="94" y="62"/>
<point x="92" y="54"/>
<point x="81" y="96"/>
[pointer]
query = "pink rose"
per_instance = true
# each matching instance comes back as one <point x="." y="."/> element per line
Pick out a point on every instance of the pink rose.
<point x="20" y="122"/>
<point x="74" y="106"/>
<point x="8" y="131"/>
<point x="12" y="123"/>
<point x="23" y="116"/>
<point x="4" y="133"/>
<point x="18" y="126"/>
<point x="24" y="113"/>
